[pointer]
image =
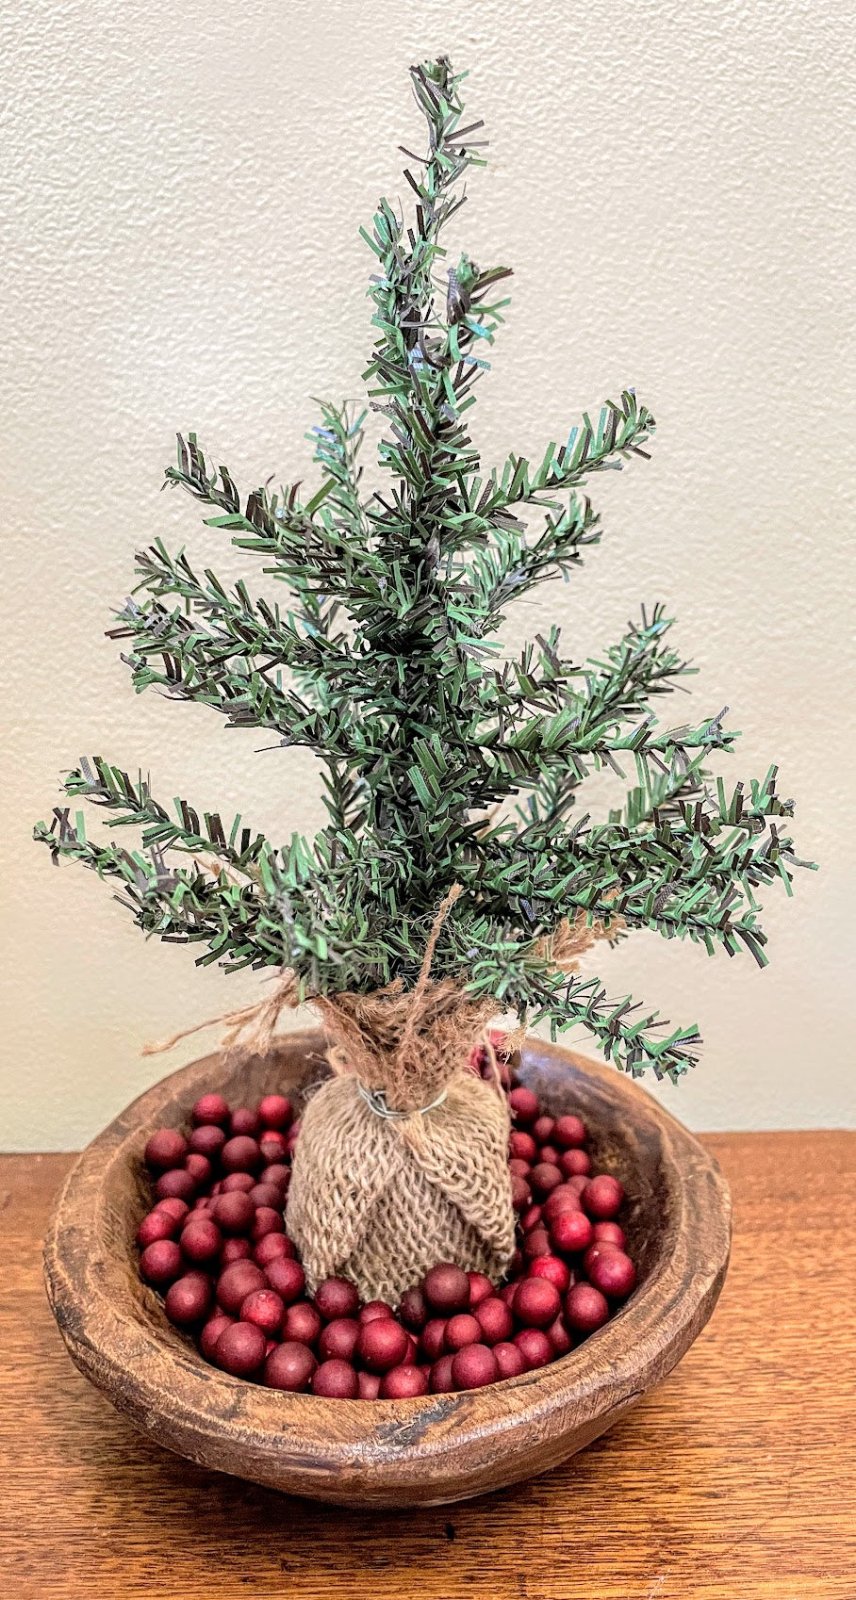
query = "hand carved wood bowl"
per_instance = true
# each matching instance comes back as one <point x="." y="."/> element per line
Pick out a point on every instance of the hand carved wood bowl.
<point x="388" y="1453"/>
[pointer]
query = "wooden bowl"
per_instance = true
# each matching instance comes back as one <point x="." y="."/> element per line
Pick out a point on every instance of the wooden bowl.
<point x="388" y="1453"/>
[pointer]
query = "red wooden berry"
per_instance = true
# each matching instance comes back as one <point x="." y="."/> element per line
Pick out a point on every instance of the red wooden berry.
<point x="446" y="1288"/>
<point x="188" y="1300"/>
<point x="542" y="1129"/>
<point x="240" y="1349"/>
<point x="373" y="1309"/>
<point x="559" y="1337"/>
<point x="524" y="1106"/>
<point x="273" y="1146"/>
<point x="477" y="1060"/>
<point x="544" y="1177"/>
<point x="551" y="1154"/>
<point x="586" y="1308"/>
<point x="166" y="1148"/>
<point x="336" y="1380"/>
<point x="474" y="1367"/>
<point x="244" y="1121"/>
<point x="301" y="1321"/>
<point x="199" y="1167"/>
<point x="157" y="1225"/>
<point x="265" y="1308"/>
<point x="614" y="1274"/>
<point x="440" y="1377"/>
<point x="238" y="1182"/>
<point x="175" y="1208"/>
<point x="241" y="1154"/>
<point x="201" y="1240"/>
<point x="569" y="1131"/>
<point x="560" y="1198"/>
<point x="531" y="1218"/>
<point x="554" y="1270"/>
<point x="521" y="1194"/>
<point x="577" y="1183"/>
<point x="273" y="1247"/>
<point x="508" y="1291"/>
<point x="338" y="1340"/>
<point x="337" y="1297"/>
<point x="536" y="1243"/>
<point x="534" y="1346"/>
<point x="522" y="1146"/>
<point x="278" y="1173"/>
<point x="494" y="1320"/>
<point x="480" y="1288"/>
<point x="276" y="1111"/>
<point x="235" y="1250"/>
<point x="382" y="1344"/>
<point x="518" y="1167"/>
<point x="413" y="1309"/>
<point x="211" y="1333"/>
<point x="210" y="1108"/>
<point x="601" y="1247"/>
<point x="405" y="1382"/>
<point x="161" y="1263"/>
<point x="602" y="1197"/>
<point x="368" y="1386"/>
<point x="236" y="1282"/>
<point x="286" y="1276"/>
<point x="432" y="1341"/>
<point x="175" y="1185"/>
<point x="609" y="1233"/>
<point x="266" y="1194"/>
<point x="537" y="1303"/>
<point x="290" y="1367"/>
<point x="234" y="1212"/>
<point x="571" y="1231"/>
<point x="207" y="1140"/>
<point x="575" y="1163"/>
<point x="461" y="1330"/>
<point x="509" y="1359"/>
<point x="518" y="1262"/>
<point x="265" y="1221"/>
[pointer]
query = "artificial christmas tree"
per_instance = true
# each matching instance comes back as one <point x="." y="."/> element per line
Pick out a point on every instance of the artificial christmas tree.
<point x="428" y="903"/>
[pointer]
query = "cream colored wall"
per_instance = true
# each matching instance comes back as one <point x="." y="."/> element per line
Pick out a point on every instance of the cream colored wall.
<point x="673" y="185"/>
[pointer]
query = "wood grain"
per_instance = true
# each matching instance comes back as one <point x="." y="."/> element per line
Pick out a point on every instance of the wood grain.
<point x="429" y="1451"/>
<point x="735" y="1480"/>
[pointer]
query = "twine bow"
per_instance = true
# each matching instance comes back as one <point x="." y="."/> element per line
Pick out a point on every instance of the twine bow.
<point x="251" y="1029"/>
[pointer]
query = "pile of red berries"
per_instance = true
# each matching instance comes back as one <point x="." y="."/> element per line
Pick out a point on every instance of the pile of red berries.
<point x="215" y="1246"/>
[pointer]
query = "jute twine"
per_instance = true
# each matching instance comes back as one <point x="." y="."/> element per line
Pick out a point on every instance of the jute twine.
<point x="402" y="1159"/>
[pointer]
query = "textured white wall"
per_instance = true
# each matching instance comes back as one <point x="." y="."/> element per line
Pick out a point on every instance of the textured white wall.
<point x="182" y="191"/>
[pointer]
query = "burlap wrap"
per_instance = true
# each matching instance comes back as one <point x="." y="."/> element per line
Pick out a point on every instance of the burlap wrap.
<point x="381" y="1201"/>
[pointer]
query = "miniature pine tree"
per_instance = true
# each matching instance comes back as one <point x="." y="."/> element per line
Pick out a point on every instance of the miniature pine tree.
<point x="450" y="773"/>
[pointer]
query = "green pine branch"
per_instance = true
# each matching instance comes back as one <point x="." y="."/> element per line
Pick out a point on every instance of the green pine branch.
<point x="620" y="432"/>
<point x="384" y="660"/>
<point x="134" y="805"/>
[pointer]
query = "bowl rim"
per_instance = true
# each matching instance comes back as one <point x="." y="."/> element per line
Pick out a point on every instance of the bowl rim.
<point x="288" y="1435"/>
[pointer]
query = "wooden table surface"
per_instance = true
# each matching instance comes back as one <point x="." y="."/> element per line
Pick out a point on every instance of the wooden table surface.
<point x="737" y="1478"/>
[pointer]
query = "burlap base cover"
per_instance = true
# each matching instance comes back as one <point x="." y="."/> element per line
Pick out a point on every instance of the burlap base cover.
<point x="381" y="1201"/>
